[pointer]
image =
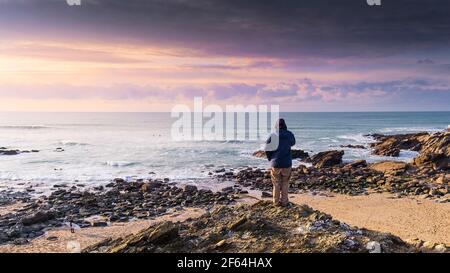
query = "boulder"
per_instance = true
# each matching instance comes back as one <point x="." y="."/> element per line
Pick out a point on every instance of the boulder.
<point x="435" y="151"/>
<point x="9" y="152"/>
<point x="38" y="217"/>
<point x="151" y="185"/>
<point x="390" y="167"/>
<point x="356" y="164"/>
<point x="436" y="161"/>
<point x="190" y="189"/>
<point x="327" y="159"/>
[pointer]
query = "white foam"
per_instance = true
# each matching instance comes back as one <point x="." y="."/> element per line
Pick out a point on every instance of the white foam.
<point x="410" y="129"/>
<point x="360" y="138"/>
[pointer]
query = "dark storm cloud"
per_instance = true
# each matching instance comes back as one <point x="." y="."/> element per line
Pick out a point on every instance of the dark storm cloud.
<point x="283" y="29"/>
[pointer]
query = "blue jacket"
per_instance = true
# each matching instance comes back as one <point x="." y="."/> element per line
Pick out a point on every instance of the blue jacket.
<point x="281" y="157"/>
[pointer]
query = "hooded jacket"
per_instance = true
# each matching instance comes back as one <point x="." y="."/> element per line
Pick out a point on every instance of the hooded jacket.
<point x="281" y="157"/>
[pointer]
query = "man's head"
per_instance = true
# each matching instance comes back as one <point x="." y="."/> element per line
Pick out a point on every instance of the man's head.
<point x="281" y="124"/>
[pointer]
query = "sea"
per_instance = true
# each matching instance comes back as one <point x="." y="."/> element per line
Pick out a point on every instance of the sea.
<point x="94" y="148"/>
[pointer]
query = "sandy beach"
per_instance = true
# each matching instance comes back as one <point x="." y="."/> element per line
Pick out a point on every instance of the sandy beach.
<point x="408" y="218"/>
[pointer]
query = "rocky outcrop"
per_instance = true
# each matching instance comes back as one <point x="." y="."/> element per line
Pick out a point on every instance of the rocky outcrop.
<point x="256" y="228"/>
<point x="434" y="148"/>
<point x="435" y="151"/>
<point x="327" y="159"/>
<point x="296" y="154"/>
<point x="390" y="145"/>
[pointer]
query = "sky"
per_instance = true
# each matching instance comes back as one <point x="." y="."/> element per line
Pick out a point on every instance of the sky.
<point x="139" y="56"/>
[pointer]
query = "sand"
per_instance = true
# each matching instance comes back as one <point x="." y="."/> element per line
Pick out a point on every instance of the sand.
<point x="408" y="218"/>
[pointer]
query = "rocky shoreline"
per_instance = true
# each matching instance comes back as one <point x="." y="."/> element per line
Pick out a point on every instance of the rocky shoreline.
<point x="118" y="201"/>
<point x="121" y="201"/>
<point x="427" y="176"/>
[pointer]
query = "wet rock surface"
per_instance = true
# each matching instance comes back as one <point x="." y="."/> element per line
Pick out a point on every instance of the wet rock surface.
<point x="6" y="151"/>
<point x="327" y="159"/>
<point x="118" y="201"/>
<point x="260" y="227"/>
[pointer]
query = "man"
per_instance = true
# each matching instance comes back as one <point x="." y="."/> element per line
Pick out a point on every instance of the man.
<point x="281" y="161"/>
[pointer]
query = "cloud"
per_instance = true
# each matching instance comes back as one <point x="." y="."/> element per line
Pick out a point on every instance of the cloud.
<point x="281" y="29"/>
<point x="425" y="61"/>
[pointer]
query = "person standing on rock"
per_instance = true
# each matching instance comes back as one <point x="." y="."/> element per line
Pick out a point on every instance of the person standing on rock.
<point x="278" y="151"/>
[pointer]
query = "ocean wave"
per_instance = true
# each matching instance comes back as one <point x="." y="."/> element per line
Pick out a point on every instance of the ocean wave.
<point x="410" y="129"/>
<point x="360" y="138"/>
<point x="72" y="143"/>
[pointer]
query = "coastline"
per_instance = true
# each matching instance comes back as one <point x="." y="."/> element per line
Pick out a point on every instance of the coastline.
<point x="408" y="200"/>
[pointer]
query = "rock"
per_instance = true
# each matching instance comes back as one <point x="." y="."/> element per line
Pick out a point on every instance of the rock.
<point x="228" y="189"/>
<point x="327" y="159"/>
<point x="353" y="146"/>
<point x="373" y="247"/>
<point x="387" y="148"/>
<point x="356" y="164"/>
<point x="441" y="179"/>
<point x="235" y="225"/>
<point x="436" y="161"/>
<point x="52" y="238"/>
<point x="151" y="185"/>
<point x="99" y="224"/>
<point x="221" y="243"/>
<point x="389" y="167"/>
<point x="10" y="152"/>
<point x="440" y="248"/>
<point x="163" y="233"/>
<point x="119" y="180"/>
<point x="265" y="194"/>
<point x="190" y="189"/>
<point x="429" y="245"/>
<point x="39" y="217"/>
<point x="299" y="154"/>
